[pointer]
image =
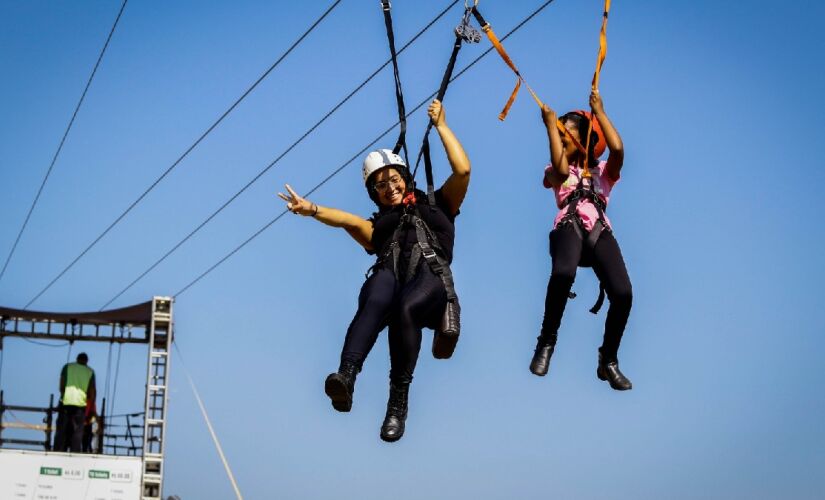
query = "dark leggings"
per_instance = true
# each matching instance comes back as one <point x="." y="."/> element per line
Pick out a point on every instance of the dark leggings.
<point x="567" y="250"/>
<point x="406" y="309"/>
<point x="68" y="435"/>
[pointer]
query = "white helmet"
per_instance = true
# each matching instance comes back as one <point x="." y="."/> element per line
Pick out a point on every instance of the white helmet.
<point x="380" y="159"/>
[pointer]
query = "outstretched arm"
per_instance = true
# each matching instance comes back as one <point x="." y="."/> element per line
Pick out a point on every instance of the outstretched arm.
<point x="615" y="159"/>
<point x="359" y="228"/>
<point x="561" y="169"/>
<point x="455" y="187"/>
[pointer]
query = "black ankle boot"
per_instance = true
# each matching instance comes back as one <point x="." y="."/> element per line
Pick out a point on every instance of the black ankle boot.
<point x="609" y="370"/>
<point x="339" y="386"/>
<point x="541" y="358"/>
<point x="393" y="427"/>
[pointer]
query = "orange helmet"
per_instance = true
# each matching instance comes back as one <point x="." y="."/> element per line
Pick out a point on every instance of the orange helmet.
<point x="602" y="144"/>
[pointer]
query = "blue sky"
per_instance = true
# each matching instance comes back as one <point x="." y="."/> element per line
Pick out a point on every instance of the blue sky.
<point x="716" y="214"/>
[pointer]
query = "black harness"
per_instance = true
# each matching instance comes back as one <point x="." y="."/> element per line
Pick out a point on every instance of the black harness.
<point x="428" y="249"/>
<point x="571" y="217"/>
<point x="426" y="246"/>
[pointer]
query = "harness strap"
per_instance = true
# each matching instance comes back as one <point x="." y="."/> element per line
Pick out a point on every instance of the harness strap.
<point x="464" y="32"/>
<point x="488" y="30"/>
<point x="599" y="302"/>
<point x="595" y="83"/>
<point x="572" y="217"/>
<point x="401" y="143"/>
<point x="426" y="247"/>
<point x="491" y="35"/>
<point x="439" y="266"/>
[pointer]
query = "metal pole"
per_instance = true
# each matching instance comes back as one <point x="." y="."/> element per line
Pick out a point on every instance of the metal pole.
<point x="101" y="428"/>
<point x="2" y="410"/>
<point x="49" y="423"/>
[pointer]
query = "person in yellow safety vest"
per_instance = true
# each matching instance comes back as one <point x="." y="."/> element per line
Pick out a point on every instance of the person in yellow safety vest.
<point x="77" y="387"/>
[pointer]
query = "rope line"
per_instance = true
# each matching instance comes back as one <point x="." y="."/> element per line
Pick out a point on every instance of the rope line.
<point x="184" y="155"/>
<point x="359" y="153"/>
<point x="46" y="344"/>
<point x="108" y="378"/>
<point x="277" y="159"/>
<point x="117" y="375"/>
<point x="209" y="424"/>
<point x="62" y="141"/>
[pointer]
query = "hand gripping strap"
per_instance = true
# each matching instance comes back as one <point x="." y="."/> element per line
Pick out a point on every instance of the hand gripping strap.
<point x="425" y="144"/>
<point x="595" y="84"/>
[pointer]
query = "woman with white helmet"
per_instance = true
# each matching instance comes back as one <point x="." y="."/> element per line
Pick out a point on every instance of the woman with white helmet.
<point x="402" y="292"/>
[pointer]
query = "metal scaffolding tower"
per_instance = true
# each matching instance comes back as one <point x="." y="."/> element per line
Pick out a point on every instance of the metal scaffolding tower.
<point x="148" y="323"/>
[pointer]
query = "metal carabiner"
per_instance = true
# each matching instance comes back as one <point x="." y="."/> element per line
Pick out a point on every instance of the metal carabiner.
<point x="465" y="29"/>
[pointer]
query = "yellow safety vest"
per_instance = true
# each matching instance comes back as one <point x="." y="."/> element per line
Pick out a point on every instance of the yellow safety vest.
<point x="77" y="383"/>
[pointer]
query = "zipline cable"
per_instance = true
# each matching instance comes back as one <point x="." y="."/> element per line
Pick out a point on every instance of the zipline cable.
<point x="208" y="424"/>
<point x="359" y="153"/>
<point x="62" y="141"/>
<point x="280" y="156"/>
<point x="184" y="155"/>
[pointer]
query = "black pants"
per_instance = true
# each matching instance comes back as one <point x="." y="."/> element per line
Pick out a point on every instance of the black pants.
<point x="568" y="250"/>
<point x="406" y="309"/>
<point x="69" y="433"/>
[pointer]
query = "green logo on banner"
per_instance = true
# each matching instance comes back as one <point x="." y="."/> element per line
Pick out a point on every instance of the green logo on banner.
<point x="51" y="471"/>
<point x="98" y="474"/>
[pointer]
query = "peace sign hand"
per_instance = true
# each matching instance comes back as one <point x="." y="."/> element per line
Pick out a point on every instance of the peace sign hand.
<point x="296" y="204"/>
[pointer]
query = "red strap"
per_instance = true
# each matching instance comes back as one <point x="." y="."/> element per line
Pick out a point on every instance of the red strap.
<point x="409" y="199"/>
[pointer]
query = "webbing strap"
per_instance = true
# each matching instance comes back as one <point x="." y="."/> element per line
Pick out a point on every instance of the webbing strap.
<point x="590" y="239"/>
<point x="491" y="35"/>
<point x="485" y="26"/>
<point x="571" y="214"/>
<point x="425" y="145"/>
<point x="437" y="264"/>
<point x="595" y="83"/>
<point x="401" y="143"/>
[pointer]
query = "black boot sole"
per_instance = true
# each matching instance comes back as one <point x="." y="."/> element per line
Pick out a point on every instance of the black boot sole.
<point x="534" y="369"/>
<point x="536" y="372"/>
<point x="444" y="345"/>
<point x="391" y="439"/>
<point x="601" y="376"/>
<point x="338" y="393"/>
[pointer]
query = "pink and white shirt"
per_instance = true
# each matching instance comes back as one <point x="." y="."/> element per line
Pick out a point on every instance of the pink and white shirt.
<point x="602" y="185"/>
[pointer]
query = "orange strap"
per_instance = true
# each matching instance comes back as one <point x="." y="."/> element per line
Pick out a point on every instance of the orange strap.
<point x="595" y="84"/>
<point x="503" y="53"/>
<point x="485" y="26"/>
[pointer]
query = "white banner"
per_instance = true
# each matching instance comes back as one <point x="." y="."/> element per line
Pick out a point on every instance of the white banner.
<point x="38" y="475"/>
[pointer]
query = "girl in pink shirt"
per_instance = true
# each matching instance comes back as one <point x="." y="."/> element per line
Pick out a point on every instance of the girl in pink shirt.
<point x="582" y="235"/>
